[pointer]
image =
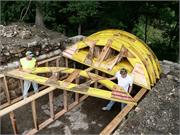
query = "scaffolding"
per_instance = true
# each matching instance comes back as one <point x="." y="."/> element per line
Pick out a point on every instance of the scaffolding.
<point x="104" y="53"/>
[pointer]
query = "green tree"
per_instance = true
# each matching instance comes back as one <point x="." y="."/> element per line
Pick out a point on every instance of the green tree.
<point x="80" y="11"/>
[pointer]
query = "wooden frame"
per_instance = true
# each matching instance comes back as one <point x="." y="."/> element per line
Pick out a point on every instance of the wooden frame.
<point x="10" y="106"/>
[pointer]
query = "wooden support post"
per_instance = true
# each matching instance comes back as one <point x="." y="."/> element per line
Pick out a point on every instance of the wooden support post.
<point x="66" y="62"/>
<point x="24" y="102"/>
<point x="65" y="100"/>
<point x="96" y="83"/>
<point x="46" y="65"/>
<point x="22" y="85"/>
<point x="57" y="65"/>
<point x="77" y="94"/>
<point x="34" y="114"/>
<point x="13" y="122"/>
<point x="6" y="90"/>
<point x="51" y="105"/>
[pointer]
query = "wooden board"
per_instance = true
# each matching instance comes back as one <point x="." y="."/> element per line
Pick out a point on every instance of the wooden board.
<point x="116" y="121"/>
<point x="95" y="92"/>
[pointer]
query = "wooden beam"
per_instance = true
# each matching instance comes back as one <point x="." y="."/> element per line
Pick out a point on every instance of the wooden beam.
<point x="116" y="121"/>
<point x="57" y="65"/>
<point x="6" y="90"/>
<point x="57" y="115"/>
<point x="47" y="60"/>
<point x="77" y="94"/>
<point x="96" y="83"/>
<point x="34" y="114"/>
<point x="13" y="122"/>
<point x="104" y="52"/>
<point x="24" y="102"/>
<point x="72" y="76"/>
<point x="19" y="98"/>
<point x="65" y="100"/>
<point x="51" y="105"/>
<point x="66" y="62"/>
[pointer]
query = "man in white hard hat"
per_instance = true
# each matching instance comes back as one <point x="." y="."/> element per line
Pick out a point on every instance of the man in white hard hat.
<point x="27" y="64"/>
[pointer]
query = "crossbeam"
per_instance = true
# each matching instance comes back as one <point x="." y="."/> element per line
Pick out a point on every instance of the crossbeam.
<point x="24" y="102"/>
<point x="95" y="92"/>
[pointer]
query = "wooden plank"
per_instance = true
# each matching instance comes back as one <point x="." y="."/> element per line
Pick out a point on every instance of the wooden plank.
<point x="51" y="105"/>
<point x="19" y="98"/>
<point x="66" y="62"/>
<point x="47" y="60"/>
<point x="1" y="75"/>
<point x="114" y="62"/>
<point x="104" y="52"/>
<point x="77" y="94"/>
<point x="91" y="91"/>
<point x="116" y="121"/>
<point x="34" y="114"/>
<point x="6" y="90"/>
<point x="57" y="65"/>
<point x="72" y="76"/>
<point x="13" y="122"/>
<point x="96" y="83"/>
<point x="24" y="102"/>
<point x="65" y="100"/>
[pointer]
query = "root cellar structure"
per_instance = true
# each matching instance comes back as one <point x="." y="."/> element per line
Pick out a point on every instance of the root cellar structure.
<point x="103" y="53"/>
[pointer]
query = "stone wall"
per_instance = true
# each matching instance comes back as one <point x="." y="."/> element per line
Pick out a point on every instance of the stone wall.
<point x="17" y="39"/>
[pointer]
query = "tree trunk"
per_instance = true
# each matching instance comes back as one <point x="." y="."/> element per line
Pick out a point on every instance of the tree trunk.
<point x="39" y="16"/>
<point x="172" y="35"/>
<point x="79" y="29"/>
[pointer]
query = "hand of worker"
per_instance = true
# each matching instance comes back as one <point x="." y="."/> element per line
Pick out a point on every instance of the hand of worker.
<point x="27" y="70"/>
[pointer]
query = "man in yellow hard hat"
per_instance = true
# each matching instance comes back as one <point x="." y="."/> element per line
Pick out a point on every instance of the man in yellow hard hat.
<point x="27" y="64"/>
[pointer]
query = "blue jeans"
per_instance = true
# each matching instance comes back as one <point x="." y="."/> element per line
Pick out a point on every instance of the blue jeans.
<point x="111" y="103"/>
<point x="27" y="85"/>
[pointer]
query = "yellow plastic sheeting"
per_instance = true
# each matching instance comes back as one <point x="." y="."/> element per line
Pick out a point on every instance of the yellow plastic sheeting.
<point x="95" y="92"/>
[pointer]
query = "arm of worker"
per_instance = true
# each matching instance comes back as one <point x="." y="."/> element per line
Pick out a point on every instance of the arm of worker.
<point x="112" y="78"/>
<point x="130" y="89"/>
<point x="130" y="85"/>
<point x="20" y="66"/>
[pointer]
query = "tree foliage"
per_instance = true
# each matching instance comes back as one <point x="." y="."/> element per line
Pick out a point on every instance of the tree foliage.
<point x="157" y="23"/>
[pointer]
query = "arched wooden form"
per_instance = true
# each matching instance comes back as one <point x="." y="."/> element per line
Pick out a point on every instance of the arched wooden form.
<point x="110" y="50"/>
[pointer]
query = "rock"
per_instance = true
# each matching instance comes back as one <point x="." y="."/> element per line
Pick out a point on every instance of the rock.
<point x="137" y="109"/>
<point x="55" y="124"/>
<point x="13" y="93"/>
<point x="165" y="68"/>
<point x="170" y="77"/>
<point x="2" y="96"/>
<point x="34" y="43"/>
<point x="93" y="122"/>
<point x="67" y="130"/>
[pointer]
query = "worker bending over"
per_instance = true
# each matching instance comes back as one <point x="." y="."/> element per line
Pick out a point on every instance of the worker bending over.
<point x="125" y="81"/>
<point x="27" y="64"/>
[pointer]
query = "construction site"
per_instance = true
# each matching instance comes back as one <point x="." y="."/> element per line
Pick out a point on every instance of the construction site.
<point x="74" y="85"/>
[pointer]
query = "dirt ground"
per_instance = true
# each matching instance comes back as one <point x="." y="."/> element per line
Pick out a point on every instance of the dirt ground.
<point x="157" y="113"/>
<point x="86" y="118"/>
